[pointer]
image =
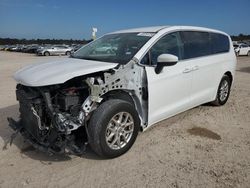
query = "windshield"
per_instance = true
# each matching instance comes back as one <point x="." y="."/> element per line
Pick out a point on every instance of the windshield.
<point x="116" y="48"/>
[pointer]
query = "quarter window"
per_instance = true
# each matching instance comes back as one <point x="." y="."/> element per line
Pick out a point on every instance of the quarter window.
<point x="219" y="43"/>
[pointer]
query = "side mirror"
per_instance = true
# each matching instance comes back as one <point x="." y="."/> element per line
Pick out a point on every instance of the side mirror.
<point x="165" y="60"/>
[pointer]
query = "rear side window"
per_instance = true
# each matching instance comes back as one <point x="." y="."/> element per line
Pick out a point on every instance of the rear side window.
<point x="219" y="43"/>
<point x="195" y="44"/>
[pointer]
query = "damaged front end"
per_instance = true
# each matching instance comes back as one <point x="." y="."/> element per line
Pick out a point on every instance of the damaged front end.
<point x="54" y="118"/>
<point x="49" y="118"/>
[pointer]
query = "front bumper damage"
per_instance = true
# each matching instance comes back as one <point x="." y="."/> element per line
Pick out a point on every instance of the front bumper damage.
<point x="67" y="147"/>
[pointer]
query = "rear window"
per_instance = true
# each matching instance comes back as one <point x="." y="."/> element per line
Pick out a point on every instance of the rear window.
<point x="219" y="43"/>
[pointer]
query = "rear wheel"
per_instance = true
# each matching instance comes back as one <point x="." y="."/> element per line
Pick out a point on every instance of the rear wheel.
<point x="248" y="53"/>
<point x="223" y="91"/>
<point x="113" y="128"/>
<point x="68" y="53"/>
<point x="46" y="53"/>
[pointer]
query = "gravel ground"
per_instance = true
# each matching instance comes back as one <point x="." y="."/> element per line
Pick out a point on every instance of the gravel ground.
<point x="203" y="147"/>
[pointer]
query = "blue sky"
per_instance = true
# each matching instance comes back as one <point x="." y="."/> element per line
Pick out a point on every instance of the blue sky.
<point x="75" y="18"/>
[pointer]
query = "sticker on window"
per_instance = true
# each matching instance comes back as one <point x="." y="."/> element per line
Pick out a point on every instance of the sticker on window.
<point x="146" y="34"/>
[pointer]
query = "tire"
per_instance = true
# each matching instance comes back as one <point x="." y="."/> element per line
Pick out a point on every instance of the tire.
<point x="248" y="53"/>
<point x="223" y="91"/>
<point x="46" y="53"/>
<point x="237" y="54"/>
<point x="104" y="123"/>
<point x="68" y="53"/>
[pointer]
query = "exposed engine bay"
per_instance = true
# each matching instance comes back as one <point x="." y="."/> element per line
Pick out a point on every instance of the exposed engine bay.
<point x="55" y="118"/>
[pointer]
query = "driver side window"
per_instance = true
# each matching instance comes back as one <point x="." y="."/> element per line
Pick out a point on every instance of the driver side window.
<point x="168" y="44"/>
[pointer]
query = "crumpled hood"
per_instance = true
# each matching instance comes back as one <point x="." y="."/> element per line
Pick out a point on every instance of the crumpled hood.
<point x="58" y="72"/>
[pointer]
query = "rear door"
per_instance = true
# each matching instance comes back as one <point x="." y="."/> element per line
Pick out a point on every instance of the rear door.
<point x="53" y="50"/>
<point x="60" y="50"/>
<point x="206" y="52"/>
<point x="205" y="68"/>
<point x="168" y="91"/>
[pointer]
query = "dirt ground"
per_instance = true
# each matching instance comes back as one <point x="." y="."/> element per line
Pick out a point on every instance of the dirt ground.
<point x="203" y="147"/>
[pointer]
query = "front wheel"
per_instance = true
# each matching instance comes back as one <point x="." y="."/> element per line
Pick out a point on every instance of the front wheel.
<point x="68" y="53"/>
<point x="223" y="91"/>
<point x="113" y="128"/>
<point x="46" y="53"/>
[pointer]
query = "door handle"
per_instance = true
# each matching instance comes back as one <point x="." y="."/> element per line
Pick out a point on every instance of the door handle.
<point x="195" y="68"/>
<point x="187" y="70"/>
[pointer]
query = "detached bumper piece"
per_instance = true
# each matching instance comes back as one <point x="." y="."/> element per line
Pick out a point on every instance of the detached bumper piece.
<point x="63" y="147"/>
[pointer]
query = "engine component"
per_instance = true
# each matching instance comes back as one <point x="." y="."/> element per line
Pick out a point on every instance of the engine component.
<point x="67" y="100"/>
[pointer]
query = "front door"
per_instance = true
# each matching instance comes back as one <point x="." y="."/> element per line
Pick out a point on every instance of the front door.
<point x="168" y="91"/>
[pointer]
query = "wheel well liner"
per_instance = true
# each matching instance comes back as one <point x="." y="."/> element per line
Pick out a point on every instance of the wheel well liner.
<point x="229" y="74"/>
<point x="118" y="94"/>
<point x="124" y="95"/>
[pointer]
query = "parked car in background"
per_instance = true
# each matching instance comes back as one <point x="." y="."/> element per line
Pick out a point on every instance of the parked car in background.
<point x="41" y="47"/>
<point x="30" y="48"/>
<point x="106" y="48"/>
<point x="13" y="48"/>
<point x="2" y="47"/>
<point x="8" y="47"/>
<point x="242" y="49"/>
<point x="16" y="48"/>
<point x="55" y="50"/>
<point x="105" y="99"/>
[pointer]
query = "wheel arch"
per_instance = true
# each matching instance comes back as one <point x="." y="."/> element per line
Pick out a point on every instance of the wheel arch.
<point x="46" y="52"/>
<point x="125" y="95"/>
<point x="67" y="52"/>
<point x="229" y="74"/>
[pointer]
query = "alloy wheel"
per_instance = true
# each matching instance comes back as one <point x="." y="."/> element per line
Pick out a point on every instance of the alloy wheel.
<point x="119" y="130"/>
<point x="224" y="90"/>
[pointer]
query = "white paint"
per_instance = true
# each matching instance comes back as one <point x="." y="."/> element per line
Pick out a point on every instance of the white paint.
<point x="59" y="71"/>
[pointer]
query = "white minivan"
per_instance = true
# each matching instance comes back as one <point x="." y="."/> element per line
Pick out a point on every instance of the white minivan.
<point x="104" y="99"/>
